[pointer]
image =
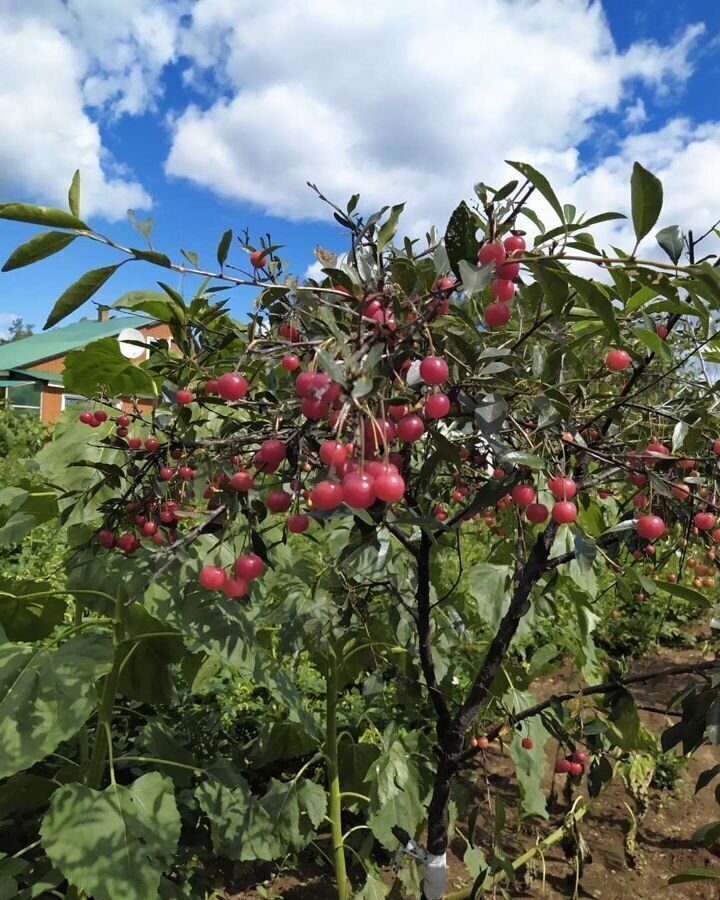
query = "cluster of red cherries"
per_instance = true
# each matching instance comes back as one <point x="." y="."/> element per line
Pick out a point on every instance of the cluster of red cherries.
<point x="502" y="287"/>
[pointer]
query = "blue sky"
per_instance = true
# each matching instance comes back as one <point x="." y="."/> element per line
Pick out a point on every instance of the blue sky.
<point x="212" y="114"/>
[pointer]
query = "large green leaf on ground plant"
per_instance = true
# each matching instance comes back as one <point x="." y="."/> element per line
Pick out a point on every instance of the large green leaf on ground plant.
<point x="28" y="610"/>
<point x="46" y="694"/>
<point x="113" y="844"/>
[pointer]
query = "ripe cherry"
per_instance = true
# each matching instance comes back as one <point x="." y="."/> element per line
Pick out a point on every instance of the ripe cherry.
<point x="445" y="283"/>
<point x="576" y="769"/>
<point x="672" y="577"/>
<point x="258" y="258"/>
<point x="562" y="488"/>
<point x="166" y="473"/>
<point x="123" y="421"/>
<point x="271" y="454"/>
<point x="212" y="386"/>
<point x="564" y="512"/>
<point x="497" y="315"/>
<point x="661" y="332"/>
<point x="617" y="360"/>
<point x="235" y="587"/>
<point x="579" y="756"/>
<point x="410" y="428"/>
<point x="289" y="332"/>
<point x="184" y="397"/>
<point x="290" y="362"/>
<point x="514" y="242"/>
<point x="523" y="494"/>
<point x="527" y="743"/>
<point x="298" y="524"/>
<point x="186" y="472"/>
<point x="704" y="521"/>
<point x="128" y="543"/>
<point x="537" y="513"/>
<point x="152" y="444"/>
<point x="232" y="386"/>
<point x="332" y="453"/>
<point x="483" y="742"/>
<point x="249" y="566"/>
<point x="100" y="415"/>
<point x="327" y="495"/>
<point x="241" y="481"/>
<point x="650" y="527"/>
<point x="389" y="487"/>
<point x="358" y="490"/>
<point x="434" y="370"/>
<point x="437" y="406"/>
<point x="149" y="528"/>
<point x="134" y="443"/>
<point x="493" y="252"/>
<point x="562" y="766"/>
<point x="502" y="289"/>
<point x="106" y="539"/>
<point x="87" y="418"/>
<point x="278" y="501"/>
<point x="212" y="578"/>
<point x="396" y="412"/>
<point x="508" y="270"/>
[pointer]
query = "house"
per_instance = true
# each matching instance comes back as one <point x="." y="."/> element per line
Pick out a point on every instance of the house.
<point x="31" y="369"/>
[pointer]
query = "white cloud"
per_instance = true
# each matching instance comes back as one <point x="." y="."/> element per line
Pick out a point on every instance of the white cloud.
<point x="402" y="101"/>
<point x="57" y="59"/>
<point x="635" y="114"/>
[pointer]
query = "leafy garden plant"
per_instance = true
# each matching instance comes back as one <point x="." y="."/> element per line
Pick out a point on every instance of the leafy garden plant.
<point x="384" y="507"/>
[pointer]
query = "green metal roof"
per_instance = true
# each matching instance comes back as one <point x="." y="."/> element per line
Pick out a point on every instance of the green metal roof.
<point x="38" y="375"/>
<point x="58" y="341"/>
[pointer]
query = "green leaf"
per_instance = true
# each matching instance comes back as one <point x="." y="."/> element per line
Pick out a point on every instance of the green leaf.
<point x="281" y="740"/>
<point x="224" y="247"/>
<point x="113" y="844"/>
<point x="388" y="228"/>
<point x="374" y="889"/>
<point x="82" y="290"/>
<point x="192" y="257"/>
<point x="628" y="731"/>
<point x="647" y="198"/>
<point x="46" y="694"/>
<point x="460" y="240"/>
<point x="101" y="365"/>
<point x="152" y="256"/>
<point x="394" y="794"/>
<point x="24" y="793"/>
<point x="74" y="194"/>
<point x="41" y="215"/>
<point x="144" y="226"/>
<point x="540" y="182"/>
<point x="523" y="458"/>
<point x="474" y="278"/>
<point x="596" y="300"/>
<point x="530" y="764"/>
<point x="695" y="875"/>
<point x="671" y="241"/>
<point x="653" y="342"/>
<point x="683" y="592"/>
<point x="38" y="247"/>
<point x="29" y="618"/>
<point x="154" y="303"/>
<point x="489" y="584"/>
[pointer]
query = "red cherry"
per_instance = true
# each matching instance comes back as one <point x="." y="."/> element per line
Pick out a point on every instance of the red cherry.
<point x="562" y="766"/>
<point x="271" y="454"/>
<point x="502" y="290"/>
<point x="483" y="742"/>
<point x="523" y="494"/>
<point x="527" y="743"/>
<point x="410" y="429"/>
<point x="576" y="769"/>
<point x="106" y="539"/>
<point x="389" y="487"/>
<point x="640" y="500"/>
<point x="290" y="362"/>
<point x="327" y="495"/>
<point x="564" y="512"/>
<point x="650" y="527"/>
<point x="298" y="524"/>
<point x="212" y="578"/>
<point x="123" y="421"/>
<point x="87" y="418"/>
<point x="158" y="539"/>
<point x="445" y="284"/>
<point x="278" y="501"/>
<point x="128" y="543"/>
<point x="249" y="566"/>
<point x="241" y="481"/>
<point x="537" y="513"/>
<point x="656" y="447"/>
<point x="437" y="406"/>
<point x="232" y="386"/>
<point x="212" y="386"/>
<point x="716" y="447"/>
<point x="333" y="453"/>
<point x="134" y="443"/>
<point x="152" y="444"/>
<point x="493" y="252"/>
<point x="314" y="409"/>
<point x="514" y="242"/>
<point x="166" y="473"/>
<point x="358" y="490"/>
<point x="579" y="756"/>
<point x="235" y="587"/>
<point x="509" y="270"/>
<point x="258" y="258"/>
<point x="617" y="360"/>
<point x="705" y="521"/>
<point x="149" y="528"/>
<point x="672" y="577"/>
<point x="562" y="488"/>
<point x="184" y="397"/>
<point x="434" y="370"/>
<point x="661" y="332"/>
<point x="497" y="315"/>
<point x="397" y="412"/>
<point x="289" y="332"/>
<point x="167" y="516"/>
<point x="100" y="415"/>
<point x="186" y="472"/>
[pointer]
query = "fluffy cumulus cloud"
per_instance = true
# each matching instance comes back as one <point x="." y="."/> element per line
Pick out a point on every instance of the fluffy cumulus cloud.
<point x="408" y="101"/>
<point x="62" y="64"/>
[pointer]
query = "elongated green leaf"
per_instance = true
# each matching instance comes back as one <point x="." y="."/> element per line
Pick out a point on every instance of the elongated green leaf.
<point x="388" y="228"/>
<point x="38" y="247"/>
<point x="540" y="182"/>
<point x="41" y="215"/>
<point x="671" y="240"/>
<point x="460" y="239"/>
<point x="695" y="875"/>
<point x="74" y="194"/>
<point x="152" y="256"/>
<point x="647" y="198"/>
<point x="46" y="694"/>
<point x="653" y="342"/>
<point x="113" y="844"/>
<point x="224" y="247"/>
<point x="78" y="293"/>
<point x="684" y="592"/>
<point x="598" y="301"/>
<point x="154" y="303"/>
<point x="144" y="226"/>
